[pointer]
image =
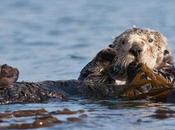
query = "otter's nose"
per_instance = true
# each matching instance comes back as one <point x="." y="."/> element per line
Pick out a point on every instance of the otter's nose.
<point x="135" y="50"/>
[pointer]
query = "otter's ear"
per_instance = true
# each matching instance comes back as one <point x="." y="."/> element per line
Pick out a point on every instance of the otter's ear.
<point x="167" y="57"/>
<point x="111" y="45"/>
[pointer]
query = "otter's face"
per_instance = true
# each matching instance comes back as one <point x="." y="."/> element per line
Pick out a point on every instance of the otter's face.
<point x="140" y="45"/>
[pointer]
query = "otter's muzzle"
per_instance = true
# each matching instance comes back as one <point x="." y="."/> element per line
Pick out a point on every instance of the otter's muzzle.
<point x="135" y="50"/>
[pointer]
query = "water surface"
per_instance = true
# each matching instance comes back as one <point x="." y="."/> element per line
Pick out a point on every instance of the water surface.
<point x="54" y="39"/>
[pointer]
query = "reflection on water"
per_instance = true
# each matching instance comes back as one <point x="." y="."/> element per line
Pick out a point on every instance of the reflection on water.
<point x="163" y="113"/>
<point x="85" y="114"/>
<point x="55" y="39"/>
<point x="30" y="119"/>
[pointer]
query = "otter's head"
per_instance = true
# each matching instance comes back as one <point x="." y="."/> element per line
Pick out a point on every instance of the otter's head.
<point x="142" y="46"/>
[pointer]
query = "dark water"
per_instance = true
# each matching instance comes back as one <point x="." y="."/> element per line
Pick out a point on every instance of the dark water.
<point x="54" y="39"/>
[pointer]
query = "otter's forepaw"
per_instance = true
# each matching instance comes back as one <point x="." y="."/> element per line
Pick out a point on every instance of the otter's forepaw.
<point x="157" y="79"/>
<point x="152" y="86"/>
<point x="132" y="70"/>
<point x="117" y="71"/>
<point x="107" y="54"/>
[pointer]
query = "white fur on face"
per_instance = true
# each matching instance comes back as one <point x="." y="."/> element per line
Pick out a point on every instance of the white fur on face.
<point x="136" y="38"/>
<point x="151" y="54"/>
<point x="149" y="50"/>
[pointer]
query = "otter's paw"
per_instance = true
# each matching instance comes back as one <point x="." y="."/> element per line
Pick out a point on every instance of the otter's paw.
<point x="133" y="69"/>
<point x="117" y="71"/>
<point x="8" y="75"/>
<point x="147" y="84"/>
<point x="157" y="80"/>
<point x="107" y="54"/>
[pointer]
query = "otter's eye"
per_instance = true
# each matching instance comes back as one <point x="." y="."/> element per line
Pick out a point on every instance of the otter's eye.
<point x="150" y="40"/>
<point x="166" y="52"/>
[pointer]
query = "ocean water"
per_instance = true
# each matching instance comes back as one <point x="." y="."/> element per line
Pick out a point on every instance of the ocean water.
<point x="54" y="39"/>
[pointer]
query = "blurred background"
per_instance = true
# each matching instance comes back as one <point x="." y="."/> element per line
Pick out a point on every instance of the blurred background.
<point x="54" y="39"/>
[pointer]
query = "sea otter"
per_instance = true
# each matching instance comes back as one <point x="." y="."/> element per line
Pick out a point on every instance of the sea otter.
<point x="119" y="63"/>
<point x="112" y="69"/>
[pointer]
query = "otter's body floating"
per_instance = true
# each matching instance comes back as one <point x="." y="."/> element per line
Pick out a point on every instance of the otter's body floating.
<point x="27" y="92"/>
<point x="121" y="62"/>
